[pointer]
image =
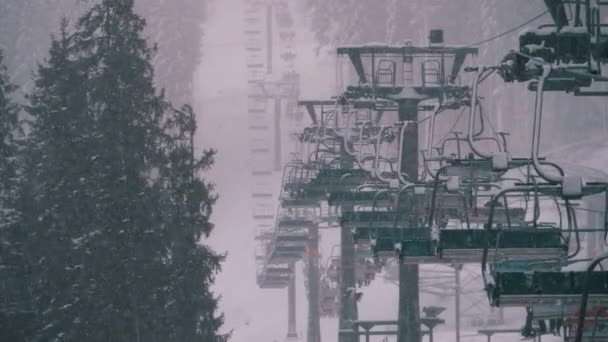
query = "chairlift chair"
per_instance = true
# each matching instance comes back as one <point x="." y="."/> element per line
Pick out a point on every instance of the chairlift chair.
<point x="548" y="288"/>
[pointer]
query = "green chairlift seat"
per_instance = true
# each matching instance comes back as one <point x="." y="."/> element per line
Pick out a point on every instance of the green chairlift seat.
<point x="530" y="265"/>
<point x="308" y="193"/>
<point x="416" y="243"/>
<point x="337" y="174"/>
<point x="287" y="223"/>
<point x="319" y="190"/>
<point x="282" y="254"/>
<point x="358" y="198"/>
<point x="467" y="245"/>
<point x="549" y="288"/>
<point x="274" y="276"/>
<point x="287" y="239"/>
<point x="418" y="247"/>
<point x="300" y="203"/>
<point x="331" y="180"/>
<point x="270" y="279"/>
<point x="374" y="219"/>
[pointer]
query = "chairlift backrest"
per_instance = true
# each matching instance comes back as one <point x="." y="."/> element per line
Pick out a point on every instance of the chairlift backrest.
<point x="431" y="73"/>
<point x="386" y="72"/>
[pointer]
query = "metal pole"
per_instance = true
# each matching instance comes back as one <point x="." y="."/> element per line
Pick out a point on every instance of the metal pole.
<point x="269" y="38"/>
<point x="348" y="309"/>
<point x="314" y="329"/>
<point x="457" y="299"/>
<point x="277" y="134"/>
<point x="501" y="315"/>
<point x="348" y="303"/>
<point x="409" y="306"/>
<point x="291" y="303"/>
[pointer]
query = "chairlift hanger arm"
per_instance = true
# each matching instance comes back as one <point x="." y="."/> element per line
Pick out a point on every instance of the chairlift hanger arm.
<point x="311" y="112"/>
<point x="429" y="143"/>
<point x="472" y="115"/>
<point x="456" y="66"/>
<point x="558" y="12"/>
<point x="538" y="109"/>
<point x="355" y="59"/>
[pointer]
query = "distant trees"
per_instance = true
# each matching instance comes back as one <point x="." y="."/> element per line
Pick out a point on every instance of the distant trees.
<point x="105" y="196"/>
<point x="178" y="24"/>
<point x="356" y="22"/>
<point x="337" y="22"/>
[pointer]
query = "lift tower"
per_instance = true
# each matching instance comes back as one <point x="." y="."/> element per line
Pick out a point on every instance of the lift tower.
<point x="408" y="75"/>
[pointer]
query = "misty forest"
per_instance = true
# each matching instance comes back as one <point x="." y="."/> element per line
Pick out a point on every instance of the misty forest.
<point x="303" y="170"/>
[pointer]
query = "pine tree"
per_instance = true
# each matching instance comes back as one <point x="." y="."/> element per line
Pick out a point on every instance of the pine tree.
<point x="15" y="309"/>
<point x="60" y="201"/>
<point x="9" y="128"/>
<point x="116" y="196"/>
<point x="191" y="313"/>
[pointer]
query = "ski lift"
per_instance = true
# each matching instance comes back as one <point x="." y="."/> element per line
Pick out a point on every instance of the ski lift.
<point x="357" y="198"/>
<point x="563" y="289"/>
<point x="386" y="71"/>
<point x="469" y="245"/>
<point x="274" y="276"/>
<point x="294" y="223"/>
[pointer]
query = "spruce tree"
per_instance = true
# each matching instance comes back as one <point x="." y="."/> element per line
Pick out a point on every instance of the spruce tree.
<point x="61" y="195"/>
<point x="9" y="128"/>
<point x="116" y="193"/>
<point x="15" y="302"/>
<point x="191" y="314"/>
